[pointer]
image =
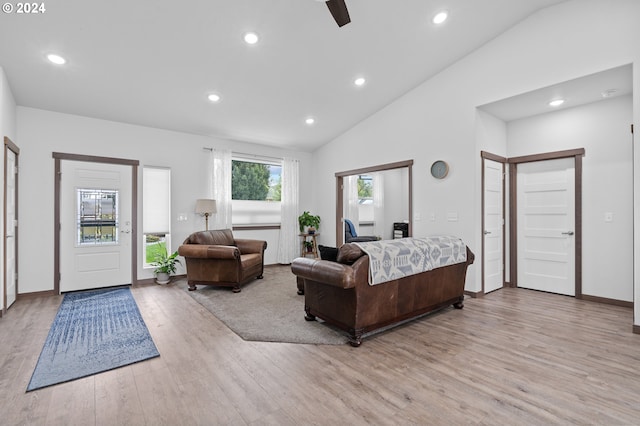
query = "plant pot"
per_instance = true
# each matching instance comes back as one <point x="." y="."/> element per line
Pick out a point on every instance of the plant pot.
<point x="163" y="278"/>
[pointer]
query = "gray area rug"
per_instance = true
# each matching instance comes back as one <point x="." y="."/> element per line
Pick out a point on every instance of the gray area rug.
<point x="94" y="331"/>
<point x="267" y="310"/>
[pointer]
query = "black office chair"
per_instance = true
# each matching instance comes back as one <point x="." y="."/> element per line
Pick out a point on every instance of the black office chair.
<point x="350" y="235"/>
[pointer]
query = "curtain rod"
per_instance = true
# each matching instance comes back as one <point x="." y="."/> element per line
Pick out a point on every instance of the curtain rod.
<point x="244" y="154"/>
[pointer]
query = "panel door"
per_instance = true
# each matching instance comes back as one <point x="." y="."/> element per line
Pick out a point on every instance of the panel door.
<point x="546" y="221"/>
<point x="493" y="255"/>
<point x="11" y="226"/>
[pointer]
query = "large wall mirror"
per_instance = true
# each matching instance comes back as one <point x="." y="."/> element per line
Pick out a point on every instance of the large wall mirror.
<point x="372" y="201"/>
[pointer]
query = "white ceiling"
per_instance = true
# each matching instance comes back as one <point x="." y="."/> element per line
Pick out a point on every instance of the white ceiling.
<point x="153" y="62"/>
<point x="591" y="88"/>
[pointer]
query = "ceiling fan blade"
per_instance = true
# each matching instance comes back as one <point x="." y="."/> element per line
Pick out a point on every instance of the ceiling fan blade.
<point x="339" y="11"/>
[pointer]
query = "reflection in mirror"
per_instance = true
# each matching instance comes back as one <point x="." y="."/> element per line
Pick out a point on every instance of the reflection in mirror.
<point x="372" y="202"/>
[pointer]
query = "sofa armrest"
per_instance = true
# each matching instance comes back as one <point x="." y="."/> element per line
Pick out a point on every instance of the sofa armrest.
<point x="251" y="246"/>
<point x="209" y="252"/>
<point x="325" y="271"/>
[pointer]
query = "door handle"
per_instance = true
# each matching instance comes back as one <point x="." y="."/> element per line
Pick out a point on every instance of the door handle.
<point x="568" y="233"/>
<point x="487" y="232"/>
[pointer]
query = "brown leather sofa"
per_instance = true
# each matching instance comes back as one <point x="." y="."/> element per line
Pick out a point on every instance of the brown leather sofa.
<point x="216" y="258"/>
<point x="340" y="294"/>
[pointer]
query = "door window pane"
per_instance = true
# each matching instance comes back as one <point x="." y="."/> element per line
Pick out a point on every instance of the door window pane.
<point x="97" y="216"/>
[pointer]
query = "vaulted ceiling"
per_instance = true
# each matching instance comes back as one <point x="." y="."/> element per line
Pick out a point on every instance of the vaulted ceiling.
<point x="155" y="62"/>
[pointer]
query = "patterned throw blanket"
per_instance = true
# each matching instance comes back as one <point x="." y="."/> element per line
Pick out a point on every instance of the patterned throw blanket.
<point x="394" y="259"/>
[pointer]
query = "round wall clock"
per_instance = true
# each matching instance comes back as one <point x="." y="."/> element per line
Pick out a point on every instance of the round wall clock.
<point x="439" y="169"/>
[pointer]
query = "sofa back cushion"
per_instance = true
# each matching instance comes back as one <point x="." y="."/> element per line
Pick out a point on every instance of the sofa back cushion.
<point x="349" y="253"/>
<point x="223" y="237"/>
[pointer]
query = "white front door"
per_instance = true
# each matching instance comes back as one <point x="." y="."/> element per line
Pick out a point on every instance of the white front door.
<point x="95" y="232"/>
<point x="546" y="221"/>
<point x="493" y="226"/>
<point x="11" y="226"/>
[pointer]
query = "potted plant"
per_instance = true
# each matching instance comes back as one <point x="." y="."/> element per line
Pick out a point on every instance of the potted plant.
<point x="308" y="245"/>
<point x="165" y="266"/>
<point x="312" y="222"/>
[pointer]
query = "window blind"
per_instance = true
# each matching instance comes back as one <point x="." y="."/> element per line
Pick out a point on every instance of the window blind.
<point x="156" y="200"/>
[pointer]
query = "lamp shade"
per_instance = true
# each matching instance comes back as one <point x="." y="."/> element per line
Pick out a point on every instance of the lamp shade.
<point x="204" y="206"/>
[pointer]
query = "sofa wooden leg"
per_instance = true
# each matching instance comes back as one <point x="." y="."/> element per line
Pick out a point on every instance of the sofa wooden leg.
<point x="192" y="287"/>
<point x="301" y="292"/>
<point x="236" y="289"/>
<point x="259" y="277"/>
<point x="308" y="316"/>
<point x="459" y="304"/>
<point x="355" y="340"/>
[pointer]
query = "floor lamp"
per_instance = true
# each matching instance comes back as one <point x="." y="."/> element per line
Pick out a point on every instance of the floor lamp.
<point x="206" y="207"/>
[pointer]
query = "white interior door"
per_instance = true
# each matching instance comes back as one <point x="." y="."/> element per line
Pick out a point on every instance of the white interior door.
<point x="11" y="225"/>
<point x="95" y="232"/>
<point x="546" y="221"/>
<point x="493" y="226"/>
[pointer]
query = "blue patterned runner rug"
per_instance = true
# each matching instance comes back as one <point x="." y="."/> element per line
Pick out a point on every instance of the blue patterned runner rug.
<point x="94" y="331"/>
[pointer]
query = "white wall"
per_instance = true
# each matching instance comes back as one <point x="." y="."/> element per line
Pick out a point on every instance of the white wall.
<point x="42" y="132"/>
<point x="603" y="130"/>
<point x="7" y="128"/>
<point x="437" y="120"/>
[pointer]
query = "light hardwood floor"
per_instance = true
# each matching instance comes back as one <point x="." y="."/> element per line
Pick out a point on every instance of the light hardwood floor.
<point x="513" y="357"/>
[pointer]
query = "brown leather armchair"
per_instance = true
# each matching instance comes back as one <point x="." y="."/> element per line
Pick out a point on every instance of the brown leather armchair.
<point x="216" y="258"/>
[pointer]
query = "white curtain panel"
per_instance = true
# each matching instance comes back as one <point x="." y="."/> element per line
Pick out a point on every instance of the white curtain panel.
<point x="220" y="188"/>
<point x="288" y="245"/>
<point x="378" y="205"/>
<point x="351" y="206"/>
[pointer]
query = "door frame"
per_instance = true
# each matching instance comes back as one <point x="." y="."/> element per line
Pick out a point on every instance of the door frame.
<point x="498" y="159"/>
<point x="9" y="146"/>
<point x="57" y="177"/>
<point x="577" y="154"/>
<point x="379" y="168"/>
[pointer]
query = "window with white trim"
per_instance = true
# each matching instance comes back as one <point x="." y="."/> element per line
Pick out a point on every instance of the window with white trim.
<point x="255" y="191"/>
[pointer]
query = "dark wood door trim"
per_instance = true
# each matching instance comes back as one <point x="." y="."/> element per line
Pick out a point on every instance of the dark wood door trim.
<point x="58" y="157"/>
<point x="381" y="167"/>
<point x="577" y="154"/>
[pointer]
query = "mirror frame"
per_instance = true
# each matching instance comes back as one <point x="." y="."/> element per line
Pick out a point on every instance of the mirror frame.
<point x="340" y="192"/>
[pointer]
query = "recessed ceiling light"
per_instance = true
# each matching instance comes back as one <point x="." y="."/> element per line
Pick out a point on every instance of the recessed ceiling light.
<point x="214" y="97"/>
<point x="440" y="17"/>
<point x="310" y="120"/>
<point x="251" y="38"/>
<point x="360" y="81"/>
<point x="56" y="59"/>
<point x="556" y="102"/>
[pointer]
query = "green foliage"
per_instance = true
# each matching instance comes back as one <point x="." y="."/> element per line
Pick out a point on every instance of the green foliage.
<point x="153" y="250"/>
<point x="249" y="181"/>
<point x="307" y="219"/>
<point x="365" y="188"/>
<point x="151" y="238"/>
<point x="275" y="193"/>
<point x="165" y="263"/>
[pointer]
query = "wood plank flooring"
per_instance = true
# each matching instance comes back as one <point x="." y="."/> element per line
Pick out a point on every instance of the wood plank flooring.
<point x="513" y="357"/>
